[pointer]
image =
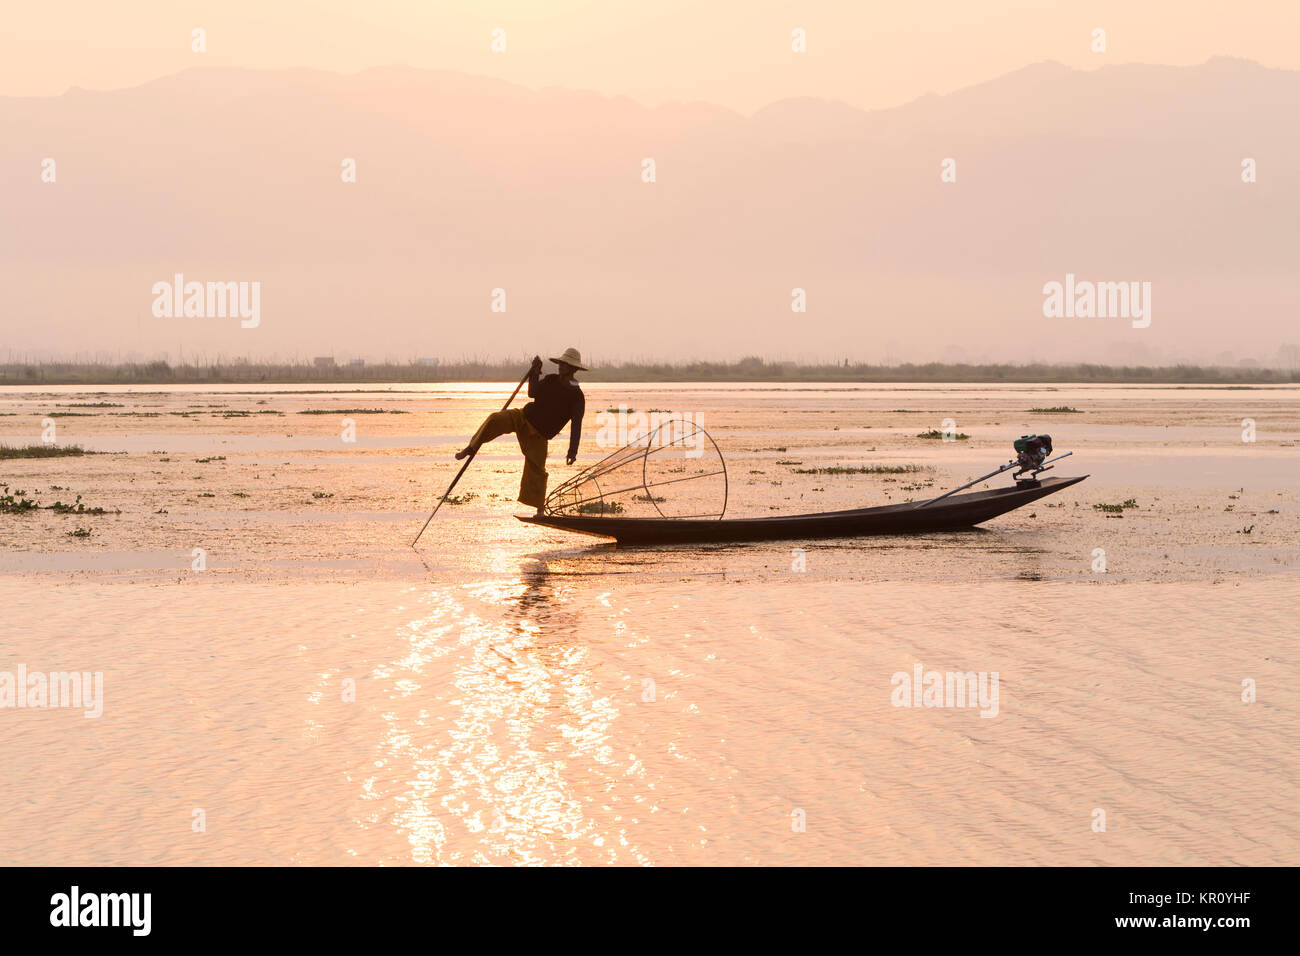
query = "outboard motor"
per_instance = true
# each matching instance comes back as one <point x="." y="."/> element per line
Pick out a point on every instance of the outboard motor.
<point x="1031" y="456"/>
<point x="1031" y="452"/>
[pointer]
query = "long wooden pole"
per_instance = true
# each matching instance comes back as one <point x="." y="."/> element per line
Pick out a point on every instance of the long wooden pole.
<point x="469" y="459"/>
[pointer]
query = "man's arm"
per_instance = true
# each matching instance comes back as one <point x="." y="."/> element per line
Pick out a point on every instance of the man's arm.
<point x="575" y="427"/>
<point x="534" y="376"/>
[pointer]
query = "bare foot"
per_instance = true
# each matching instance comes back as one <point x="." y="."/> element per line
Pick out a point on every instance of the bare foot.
<point x="464" y="453"/>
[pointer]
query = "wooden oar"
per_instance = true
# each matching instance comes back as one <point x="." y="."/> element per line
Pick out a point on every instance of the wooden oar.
<point x="469" y="459"/>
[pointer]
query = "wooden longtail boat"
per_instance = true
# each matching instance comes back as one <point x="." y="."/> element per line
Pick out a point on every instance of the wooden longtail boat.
<point x="949" y="514"/>
<point x="592" y="501"/>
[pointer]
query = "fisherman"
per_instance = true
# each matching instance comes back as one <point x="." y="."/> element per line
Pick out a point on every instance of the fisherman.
<point x="557" y="400"/>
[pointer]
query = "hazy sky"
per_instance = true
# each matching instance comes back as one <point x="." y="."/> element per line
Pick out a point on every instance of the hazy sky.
<point x="734" y="53"/>
<point x="469" y="185"/>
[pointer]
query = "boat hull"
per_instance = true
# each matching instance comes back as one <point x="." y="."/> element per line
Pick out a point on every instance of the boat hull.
<point x="950" y="514"/>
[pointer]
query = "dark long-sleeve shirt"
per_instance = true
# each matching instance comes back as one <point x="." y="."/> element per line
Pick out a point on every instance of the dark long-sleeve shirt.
<point x="555" y="402"/>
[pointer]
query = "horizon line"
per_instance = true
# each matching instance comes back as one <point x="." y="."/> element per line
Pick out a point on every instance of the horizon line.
<point x="75" y="88"/>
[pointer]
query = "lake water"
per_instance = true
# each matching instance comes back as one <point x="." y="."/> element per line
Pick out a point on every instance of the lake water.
<point x="321" y="693"/>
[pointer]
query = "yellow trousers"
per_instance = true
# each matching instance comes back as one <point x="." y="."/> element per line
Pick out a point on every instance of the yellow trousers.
<point x="532" y="486"/>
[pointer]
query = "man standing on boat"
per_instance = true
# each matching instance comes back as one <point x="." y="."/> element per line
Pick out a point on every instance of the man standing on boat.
<point x="557" y="400"/>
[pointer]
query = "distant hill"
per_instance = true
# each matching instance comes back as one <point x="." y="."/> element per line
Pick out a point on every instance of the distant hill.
<point x="466" y="184"/>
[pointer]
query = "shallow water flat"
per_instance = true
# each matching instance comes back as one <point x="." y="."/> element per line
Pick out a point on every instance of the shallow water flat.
<point x="325" y="694"/>
<point x="561" y="715"/>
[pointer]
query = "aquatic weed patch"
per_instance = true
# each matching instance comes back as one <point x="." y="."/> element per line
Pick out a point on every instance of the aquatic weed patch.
<point x="77" y="507"/>
<point x="861" y="470"/>
<point x="20" y="502"/>
<point x="41" y="451"/>
<point x="15" y="503"/>
<point x="353" y="411"/>
<point x="935" y="433"/>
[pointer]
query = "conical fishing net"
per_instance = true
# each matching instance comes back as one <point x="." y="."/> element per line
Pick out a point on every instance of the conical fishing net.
<point x="673" y="470"/>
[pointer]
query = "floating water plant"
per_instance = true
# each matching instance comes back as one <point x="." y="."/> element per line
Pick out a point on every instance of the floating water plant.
<point x="935" y="433"/>
<point x="353" y="411"/>
<point x="860" y="470"/>
<point x="16" y="503"/>
<point x="1116" y="509"/>
<point x="40" y="451"/>
<point x="78" y="508"/>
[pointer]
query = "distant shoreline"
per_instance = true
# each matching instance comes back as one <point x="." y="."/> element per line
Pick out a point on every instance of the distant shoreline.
<point x="746" y="370"/>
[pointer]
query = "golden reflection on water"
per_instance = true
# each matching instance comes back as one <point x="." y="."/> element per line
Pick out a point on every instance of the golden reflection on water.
<point x="497" y="740"/>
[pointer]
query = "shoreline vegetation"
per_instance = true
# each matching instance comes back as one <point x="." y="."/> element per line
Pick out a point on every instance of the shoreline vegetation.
<point x="745" y="370"/>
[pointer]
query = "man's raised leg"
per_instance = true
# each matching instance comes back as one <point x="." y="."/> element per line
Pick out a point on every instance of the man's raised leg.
<point x="494" y="426"/>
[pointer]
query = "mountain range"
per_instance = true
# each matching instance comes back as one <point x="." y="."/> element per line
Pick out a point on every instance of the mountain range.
<point x="465" y="185"/>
